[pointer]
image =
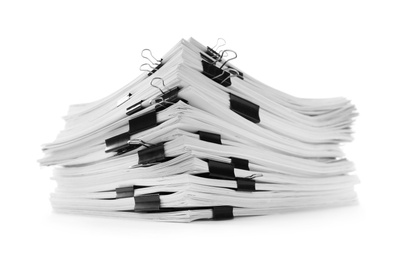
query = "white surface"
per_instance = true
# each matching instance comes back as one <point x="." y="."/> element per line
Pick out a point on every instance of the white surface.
<point x="54" y="54"/>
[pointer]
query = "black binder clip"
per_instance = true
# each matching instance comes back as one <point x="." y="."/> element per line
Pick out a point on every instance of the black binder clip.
<point x="147" y="203"/>
<point x="244" y="184"/>
<point x="164" y="100"/>
<point x="154" y="65"/>
<point x="222" y="212"/>
<point x="240" y="163"/>
<point x="153" y="154"/>
<point x="124" y="192"/>
<point x="245" y="108"/>
<point x="167" y="99"/>
<point x="221" y="170"/>
<point x="142" y="123"/>
<point x="122" y="143"/>
<point x="218" y="75"/>
<point x="119" y="143"/>
<point x="209" y="137"/>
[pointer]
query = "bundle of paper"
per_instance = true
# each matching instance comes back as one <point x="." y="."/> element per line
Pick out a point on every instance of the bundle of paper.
<point x="195" y="137"/>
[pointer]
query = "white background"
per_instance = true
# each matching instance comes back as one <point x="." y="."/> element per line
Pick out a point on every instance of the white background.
<point x="53" y="54"/>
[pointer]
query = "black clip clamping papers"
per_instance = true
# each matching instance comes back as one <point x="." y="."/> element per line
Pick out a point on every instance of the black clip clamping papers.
<point x="245" y="108"/>
<point x="147" y="203"/>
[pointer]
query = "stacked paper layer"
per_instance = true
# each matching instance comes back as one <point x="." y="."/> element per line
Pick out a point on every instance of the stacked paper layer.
<point x="198" y="138"/>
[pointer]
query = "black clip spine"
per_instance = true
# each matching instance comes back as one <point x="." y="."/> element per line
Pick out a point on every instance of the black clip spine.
<point x="240" y="163"/>
<point x="222" y="212"/>
<point x="244" y="184"/>
<point x="209" y="137"/>
<point x="171" y="94"/>
<point x="216" y="74"/>
<point x="221" y="170"/>
<point x="142" y="122"/>
<point x="124" y="192"/>
<point x="147" y="203"/>
<point x="118" y="143"/>
<point x="245" y="108"/>
<point x="152" y="154"/>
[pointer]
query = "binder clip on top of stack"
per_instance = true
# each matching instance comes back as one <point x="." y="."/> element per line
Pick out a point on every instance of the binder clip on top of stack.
<point x="194" y="137"/>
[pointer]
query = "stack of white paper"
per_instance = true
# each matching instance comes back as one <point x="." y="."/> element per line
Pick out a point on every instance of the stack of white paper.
<point x="197" y="138"/>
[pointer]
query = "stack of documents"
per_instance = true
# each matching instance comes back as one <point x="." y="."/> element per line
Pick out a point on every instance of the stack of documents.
<point x="195" y="137"/>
